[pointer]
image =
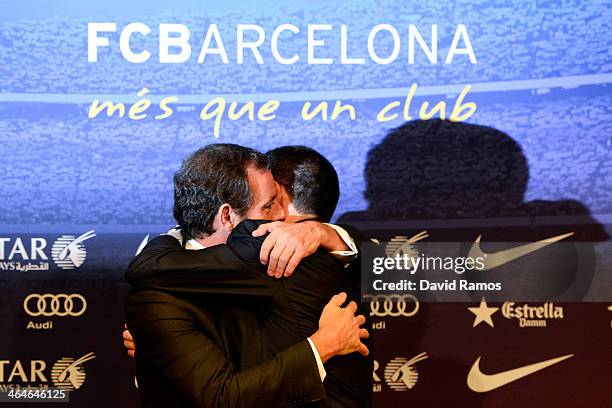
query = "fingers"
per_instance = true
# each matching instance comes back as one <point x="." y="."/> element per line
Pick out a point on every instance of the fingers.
<point x="352" y="307"/>
<point x="266" y="228"/>
<point x="130" y="347"/>
<point x="262" y="230"/>
<point x="363" y="350"/>
<point x="294" y="262"/>
<point x="364" y="334"/>
<point x="283" y="260"/>
<point x="127" y="335"/>
<point x="360" y="320"/>
<point x="337" y="300"/>
<point x="267" y="247"/>
<point x="292" y="255"/>
<point x="128" y="342"/>
<point x="276" y="253"/>
<point x="282" y="242"/>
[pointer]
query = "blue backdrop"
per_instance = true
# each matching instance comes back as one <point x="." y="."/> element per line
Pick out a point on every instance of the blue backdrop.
<point x="543" y="78"/>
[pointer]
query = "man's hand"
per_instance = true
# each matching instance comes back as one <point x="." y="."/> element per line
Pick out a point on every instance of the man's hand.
<point x="128" y="342"/>
<point x="340" y="330"/>
<point x="289" y="243"/>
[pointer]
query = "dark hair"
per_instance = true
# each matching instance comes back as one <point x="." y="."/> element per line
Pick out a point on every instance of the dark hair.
<point x="213" y="175"/>
<point x="309" y="178"/>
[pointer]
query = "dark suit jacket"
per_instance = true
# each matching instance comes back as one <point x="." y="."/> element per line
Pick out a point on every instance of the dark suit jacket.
<point x="183" y="361"/>
<point x="279" y="313"/>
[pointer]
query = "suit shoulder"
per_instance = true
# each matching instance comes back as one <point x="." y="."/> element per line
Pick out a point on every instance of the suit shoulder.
<point x="163" y="242"/>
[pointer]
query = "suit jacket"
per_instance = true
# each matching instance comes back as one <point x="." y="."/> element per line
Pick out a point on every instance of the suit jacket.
<point x="284" y="311"/>
<point x="182" y="358"/>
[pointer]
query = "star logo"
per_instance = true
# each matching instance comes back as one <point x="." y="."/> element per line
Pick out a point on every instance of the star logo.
<point x="483" y="313"/>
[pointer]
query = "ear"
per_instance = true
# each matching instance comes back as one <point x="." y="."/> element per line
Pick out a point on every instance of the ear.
<point x="225" y="215"/>
<point x="228" y="217"/>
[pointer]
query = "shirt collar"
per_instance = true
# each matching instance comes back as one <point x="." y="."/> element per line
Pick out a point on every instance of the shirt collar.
<point x="192" y="244"/>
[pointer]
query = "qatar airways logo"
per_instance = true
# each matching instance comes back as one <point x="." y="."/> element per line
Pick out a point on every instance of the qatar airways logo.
<point x="67" y="373"/>
<point x="32" y="254"/>
<point x="69" y="251"/>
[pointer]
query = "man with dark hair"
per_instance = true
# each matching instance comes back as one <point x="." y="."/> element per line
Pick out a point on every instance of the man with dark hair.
<point x="217" y="175"/>
<point x="308" y="179"/>
<point x="183" y="337"/>
<point x="219" y="184"/>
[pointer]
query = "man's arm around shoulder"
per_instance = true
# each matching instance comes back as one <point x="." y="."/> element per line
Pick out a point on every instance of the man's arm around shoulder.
<point x="164" y="265"/>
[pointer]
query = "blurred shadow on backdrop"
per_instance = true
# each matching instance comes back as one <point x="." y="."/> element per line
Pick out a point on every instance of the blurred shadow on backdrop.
<point x="459" y="181"/>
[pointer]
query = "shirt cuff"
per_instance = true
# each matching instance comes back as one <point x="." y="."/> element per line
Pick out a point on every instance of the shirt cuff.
<point x="348" y="240"/>
<point x="322" y="372"/>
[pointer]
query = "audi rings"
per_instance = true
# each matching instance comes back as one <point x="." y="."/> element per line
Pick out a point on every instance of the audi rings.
<point x="60" y="304"/>
<point x="392" y="305"/>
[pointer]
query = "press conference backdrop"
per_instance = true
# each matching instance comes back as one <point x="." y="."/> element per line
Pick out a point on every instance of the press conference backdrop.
<point x="80" y="195"/>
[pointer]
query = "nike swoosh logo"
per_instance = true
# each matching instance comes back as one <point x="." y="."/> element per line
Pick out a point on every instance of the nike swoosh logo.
<point x="479" y="382"/>
<point x="495" y="259"/>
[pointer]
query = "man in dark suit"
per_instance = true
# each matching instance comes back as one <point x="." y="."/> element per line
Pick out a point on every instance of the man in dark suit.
<point x="188" y="342"/>
<point x="286" y="310"/>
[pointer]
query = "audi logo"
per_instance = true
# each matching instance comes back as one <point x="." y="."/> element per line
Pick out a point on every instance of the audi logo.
<point x="392" y="305"/>
<point x="60" y="304"/>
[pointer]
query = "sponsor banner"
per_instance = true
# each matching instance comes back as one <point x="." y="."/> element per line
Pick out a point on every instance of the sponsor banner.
<point x="64" y="332"/>
<point x="470" y="354"/>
